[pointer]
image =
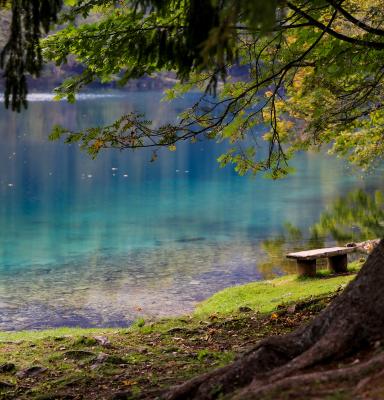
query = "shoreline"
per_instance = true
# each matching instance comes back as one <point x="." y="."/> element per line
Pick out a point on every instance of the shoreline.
<point x="259" y="296"/>
<point x="144" y="360"/>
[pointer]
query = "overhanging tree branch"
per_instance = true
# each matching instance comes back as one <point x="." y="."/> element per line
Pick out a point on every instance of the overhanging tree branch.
<point x="337" y="35"/>
<point x="355" y="21"/>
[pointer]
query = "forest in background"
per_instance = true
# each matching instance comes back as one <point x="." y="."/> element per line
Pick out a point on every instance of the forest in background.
<point x="53" y="75"/>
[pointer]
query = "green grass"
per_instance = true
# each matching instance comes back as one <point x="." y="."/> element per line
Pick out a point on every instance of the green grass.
<point x="154" y="354"/>
<point x="54" y="333"/>
<point x="265" y="296"/>
<point x="262" y="296"/>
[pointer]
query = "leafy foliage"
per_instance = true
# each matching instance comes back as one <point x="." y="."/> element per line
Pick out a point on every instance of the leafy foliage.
<point x="315" y="74"/>
<point x="357" y="216"/>
<point x="22" y="53"/>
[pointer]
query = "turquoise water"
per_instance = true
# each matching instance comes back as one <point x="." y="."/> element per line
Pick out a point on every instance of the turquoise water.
<point x="100" y="242"/>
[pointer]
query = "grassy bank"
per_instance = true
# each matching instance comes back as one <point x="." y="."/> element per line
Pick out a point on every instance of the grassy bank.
<point x="266" y="295"/>
<point x="141" y="361"/>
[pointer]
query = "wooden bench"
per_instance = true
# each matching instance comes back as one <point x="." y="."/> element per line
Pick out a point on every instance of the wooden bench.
<point x="337" y="259"/>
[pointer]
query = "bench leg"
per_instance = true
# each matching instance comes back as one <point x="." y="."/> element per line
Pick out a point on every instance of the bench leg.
<point x="338" y="264"/>
<point x="306" y="267"/>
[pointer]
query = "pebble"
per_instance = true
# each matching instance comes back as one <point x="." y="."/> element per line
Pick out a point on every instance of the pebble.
<point x="291" y="309"/>
<point x="102" y="357"/>
<point x="102" y="340"/>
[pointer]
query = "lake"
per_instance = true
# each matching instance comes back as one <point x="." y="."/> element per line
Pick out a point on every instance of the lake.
<point x="100" y="242"/>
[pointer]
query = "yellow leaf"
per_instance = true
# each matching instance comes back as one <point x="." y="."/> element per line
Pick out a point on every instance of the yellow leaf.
<point x="129" y="382"/>
<point x="98" y="144"/>
<point x="172" y="147"/>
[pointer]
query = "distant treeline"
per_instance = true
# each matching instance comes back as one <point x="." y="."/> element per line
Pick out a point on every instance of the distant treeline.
<point x="52" y="75"/>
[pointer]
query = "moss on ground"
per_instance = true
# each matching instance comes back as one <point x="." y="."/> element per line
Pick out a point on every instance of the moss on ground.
<point x="264" y="296"/>
<point x="138" y="362"/>
<point x="142" y="361"/>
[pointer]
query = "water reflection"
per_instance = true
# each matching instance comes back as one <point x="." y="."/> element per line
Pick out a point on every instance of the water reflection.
<point x="98" y="242"/>
<point x="355" y="217"/>
<point x="358" y="216"/>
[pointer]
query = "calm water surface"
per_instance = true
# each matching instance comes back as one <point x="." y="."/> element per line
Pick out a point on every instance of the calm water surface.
<point x="99" y="242"/>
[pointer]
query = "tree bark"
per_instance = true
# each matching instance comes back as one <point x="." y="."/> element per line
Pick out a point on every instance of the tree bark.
<point x="354" y="321"/>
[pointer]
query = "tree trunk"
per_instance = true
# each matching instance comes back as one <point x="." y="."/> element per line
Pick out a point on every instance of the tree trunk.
<point x="353" y="322"/>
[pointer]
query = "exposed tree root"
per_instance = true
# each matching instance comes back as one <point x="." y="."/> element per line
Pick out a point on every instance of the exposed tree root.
<point x="360" y="374"/>
<point x="353" y="321"/>
<point x="372" y="387"/>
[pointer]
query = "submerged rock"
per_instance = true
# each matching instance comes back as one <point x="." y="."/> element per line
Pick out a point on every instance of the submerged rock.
<point x="190" y="239"/>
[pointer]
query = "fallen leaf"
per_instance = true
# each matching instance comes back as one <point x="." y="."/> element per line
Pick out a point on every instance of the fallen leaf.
<point x="128" y="382"/>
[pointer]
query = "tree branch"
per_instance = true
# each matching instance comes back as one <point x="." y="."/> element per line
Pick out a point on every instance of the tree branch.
<point x="337" y="35"/>
<point x="355" y="21"/>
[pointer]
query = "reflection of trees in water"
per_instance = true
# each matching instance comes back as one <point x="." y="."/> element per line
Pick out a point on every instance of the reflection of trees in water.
<point x="292" y="239"/>
<point x="358" y="216"/>
<point x="355" y="217"/>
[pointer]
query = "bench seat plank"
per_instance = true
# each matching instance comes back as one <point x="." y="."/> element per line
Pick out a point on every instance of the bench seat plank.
<point x="321" y="253"/>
